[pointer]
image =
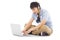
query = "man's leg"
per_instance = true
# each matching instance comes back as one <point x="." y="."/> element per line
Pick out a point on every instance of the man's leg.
<point x="34" y="32"/>
<point x="44" y="28"/>
<point x="32" y="26"/>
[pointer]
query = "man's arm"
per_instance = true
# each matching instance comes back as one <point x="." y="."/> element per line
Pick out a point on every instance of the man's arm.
<point x="28" y="24"/>
<point x="41" y="24"/>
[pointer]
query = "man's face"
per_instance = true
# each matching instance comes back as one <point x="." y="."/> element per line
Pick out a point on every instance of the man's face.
<point x="35" y="10"/>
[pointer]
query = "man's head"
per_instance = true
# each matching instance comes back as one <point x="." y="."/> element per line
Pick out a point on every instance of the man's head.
<point x="35" y="7"/>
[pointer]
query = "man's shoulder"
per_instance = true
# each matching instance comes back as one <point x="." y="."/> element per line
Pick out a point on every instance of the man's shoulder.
<point x="43" y="10"/>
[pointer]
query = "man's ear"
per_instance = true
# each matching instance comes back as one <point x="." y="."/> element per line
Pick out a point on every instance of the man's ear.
<point x="38" y="7"/>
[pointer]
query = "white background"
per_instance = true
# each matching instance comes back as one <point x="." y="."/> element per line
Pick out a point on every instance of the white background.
<point x="19" y="12"/>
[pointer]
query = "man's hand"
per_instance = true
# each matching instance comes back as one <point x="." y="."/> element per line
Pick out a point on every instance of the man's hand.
<point x="24" y="32"/>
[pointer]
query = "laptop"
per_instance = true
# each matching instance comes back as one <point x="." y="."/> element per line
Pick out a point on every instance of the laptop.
<point x="16" y="30"/>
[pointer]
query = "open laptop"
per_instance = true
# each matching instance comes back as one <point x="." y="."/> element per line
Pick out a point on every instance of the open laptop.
<point x="16" y="30"/>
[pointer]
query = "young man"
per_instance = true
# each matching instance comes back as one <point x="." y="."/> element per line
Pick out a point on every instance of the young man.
<point x="42" y="18"/>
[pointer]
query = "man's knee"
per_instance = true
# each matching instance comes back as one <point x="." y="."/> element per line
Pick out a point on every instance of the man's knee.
<point x="47" y="29"/>
<point x="50" y="31"/>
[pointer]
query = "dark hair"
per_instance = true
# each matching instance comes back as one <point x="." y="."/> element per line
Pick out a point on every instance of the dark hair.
<point x="34" y="4"/>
